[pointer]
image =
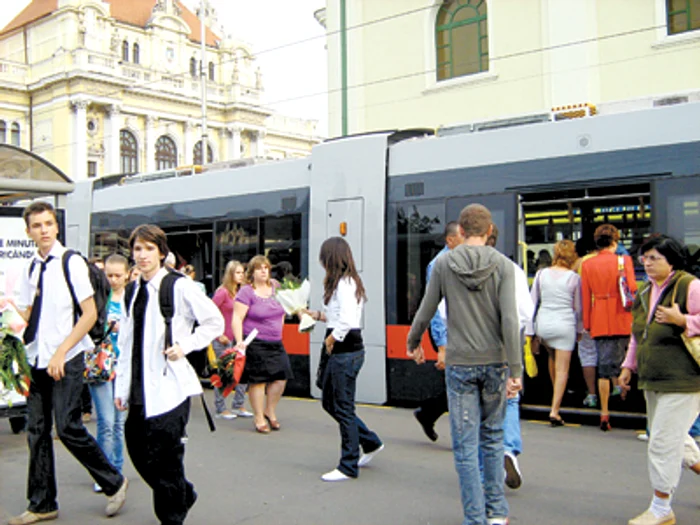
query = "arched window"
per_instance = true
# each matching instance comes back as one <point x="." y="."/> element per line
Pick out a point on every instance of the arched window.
<point x="682" y="16"/>
<point x="125" y="51"/>
<point x="166" y="153"/>
<point x="211" y="71"/>
<point x="14" y="137"/>
<point x="461" y="38"/>
<point x="136" y="54"/>
<point x="193" y="67"/>
<point x="3" y="132"/>
<point x="128" y="152"/>
<point x="198" y="153"/>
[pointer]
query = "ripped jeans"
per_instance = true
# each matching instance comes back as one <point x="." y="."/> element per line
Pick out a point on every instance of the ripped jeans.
<point x="477" y="401"/>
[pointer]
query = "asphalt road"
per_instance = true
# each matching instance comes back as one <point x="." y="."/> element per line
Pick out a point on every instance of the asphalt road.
<point x="573" y="475"/>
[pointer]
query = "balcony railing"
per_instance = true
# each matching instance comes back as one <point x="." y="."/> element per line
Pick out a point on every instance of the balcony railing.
<point x="13" y="72"/>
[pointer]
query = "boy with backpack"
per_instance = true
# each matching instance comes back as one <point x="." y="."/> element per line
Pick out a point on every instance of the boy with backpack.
<point x="153" y="378"/>
<point x="56" y="337"/>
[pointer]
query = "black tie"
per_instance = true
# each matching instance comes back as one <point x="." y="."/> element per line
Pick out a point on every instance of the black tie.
<point x="139" y="313"/>
<point x="33" y="324"/>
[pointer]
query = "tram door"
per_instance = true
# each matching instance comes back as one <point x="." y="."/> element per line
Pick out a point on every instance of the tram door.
<point x="193" y="245"/>
<point x="677" y="210"/>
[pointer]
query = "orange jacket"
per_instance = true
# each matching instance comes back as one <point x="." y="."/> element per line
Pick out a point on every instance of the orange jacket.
<point x="603" y="314"/>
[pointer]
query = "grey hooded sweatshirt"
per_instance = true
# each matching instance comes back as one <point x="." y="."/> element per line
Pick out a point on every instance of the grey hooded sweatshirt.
<point x="478" y="284"/>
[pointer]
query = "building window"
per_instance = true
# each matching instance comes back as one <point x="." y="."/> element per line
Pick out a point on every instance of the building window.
<point x="125" y="51"/>
<point x="3" y="132"/>
<point x="92" y="169"/>
<point x="166" y="153"/>
<point x="128" y="152"/>
<point x="461" y="38"/>
<point x="211" y="71"/>
<point x="136" y="55"/>
<point x="193" y="67"/>
<point x="198" y="153"/>
<point x="682" y="15"/>
<point x="15" y="134"/>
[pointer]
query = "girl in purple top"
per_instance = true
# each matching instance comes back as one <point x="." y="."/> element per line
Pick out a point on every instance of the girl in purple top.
<point x="234" y="276"/>
<point x="267" y="367"/>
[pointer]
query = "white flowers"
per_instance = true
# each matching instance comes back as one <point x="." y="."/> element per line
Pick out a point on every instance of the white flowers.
<point x="295" y="298"/>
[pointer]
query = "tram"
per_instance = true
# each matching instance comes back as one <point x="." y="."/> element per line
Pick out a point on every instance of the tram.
<point x="390" y="194"/>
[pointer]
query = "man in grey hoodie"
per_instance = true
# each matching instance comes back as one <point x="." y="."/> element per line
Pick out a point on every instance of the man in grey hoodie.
<point x="483" y="359"/>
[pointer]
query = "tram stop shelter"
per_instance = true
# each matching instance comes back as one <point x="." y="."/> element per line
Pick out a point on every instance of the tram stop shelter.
<point x="25" y="175"/>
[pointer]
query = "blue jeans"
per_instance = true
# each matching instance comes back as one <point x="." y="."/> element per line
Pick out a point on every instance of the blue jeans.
<point x="512" y="440"/>
<point x="477" y="401"/>
<point x="339" y="379"/>
<point x="110" y="423"/>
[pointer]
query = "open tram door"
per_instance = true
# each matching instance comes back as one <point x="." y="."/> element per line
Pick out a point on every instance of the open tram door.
<point x="676" y="202"/>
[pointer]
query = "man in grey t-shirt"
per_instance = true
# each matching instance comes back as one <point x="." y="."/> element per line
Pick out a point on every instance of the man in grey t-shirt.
<point x="483" y="359"/>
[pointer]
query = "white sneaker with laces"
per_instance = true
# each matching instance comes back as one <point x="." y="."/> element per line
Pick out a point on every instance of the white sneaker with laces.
<point x="366" y="458"/>
<point x="242" y="412"/>
<point x="226" y="414"/>
<point x="513" y="476"/>
<point x="335" y="475"/>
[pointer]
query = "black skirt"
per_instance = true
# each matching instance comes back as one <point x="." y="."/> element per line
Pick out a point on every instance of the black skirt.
<point x="266" y="361"/>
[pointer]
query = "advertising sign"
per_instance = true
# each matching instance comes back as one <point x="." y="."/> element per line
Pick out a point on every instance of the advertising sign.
<point x="16" y="248"/>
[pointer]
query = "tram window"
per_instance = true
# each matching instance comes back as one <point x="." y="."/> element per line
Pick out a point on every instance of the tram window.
<point x="106" y="243"/>
<point x="235" y="240"/>
<point x="281" y="238"/>
<point x="420" y="228"/>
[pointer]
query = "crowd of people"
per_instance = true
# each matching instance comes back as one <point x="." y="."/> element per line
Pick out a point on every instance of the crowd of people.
<point x="478" y="307"/>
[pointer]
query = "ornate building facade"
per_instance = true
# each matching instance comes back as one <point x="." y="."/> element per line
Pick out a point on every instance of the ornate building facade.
<point x="102" y="87"/>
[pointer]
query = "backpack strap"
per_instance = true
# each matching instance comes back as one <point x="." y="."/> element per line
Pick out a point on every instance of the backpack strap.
<point x="65" y="259"/>
<point x="166" y="299"/>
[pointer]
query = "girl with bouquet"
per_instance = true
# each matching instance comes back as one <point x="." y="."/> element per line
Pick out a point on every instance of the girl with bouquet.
<point x="343" y="300"/>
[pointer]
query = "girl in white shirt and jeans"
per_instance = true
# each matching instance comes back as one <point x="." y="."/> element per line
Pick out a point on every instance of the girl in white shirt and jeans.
<point x="342" y="356"/>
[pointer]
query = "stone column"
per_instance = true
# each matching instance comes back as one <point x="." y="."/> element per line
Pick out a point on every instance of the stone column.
<point x="188" y="143"/>
<point x="234" y="142"/>
<point x="150" y="144"/>
<point x="113" y="125"/>
<point x="259" y="149"/>
<point x="79" y="139"/>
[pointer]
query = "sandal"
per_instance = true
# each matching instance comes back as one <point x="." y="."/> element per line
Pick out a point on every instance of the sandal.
<point x="556" y="421"/>
<point x="274" y="424"/>
<point x="263" y="429"/>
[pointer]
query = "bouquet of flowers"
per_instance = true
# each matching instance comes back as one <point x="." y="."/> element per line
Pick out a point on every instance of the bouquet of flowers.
<point x="294" y="297"/>
<point x="15" y="372"/>
<point x="229" y="367"/>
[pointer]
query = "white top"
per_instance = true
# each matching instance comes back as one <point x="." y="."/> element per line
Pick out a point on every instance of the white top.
<point x="56" y="321"/>
<point x="167" y="383"/>
<point x="523" y="299"/>
<point x="343" y="312"/>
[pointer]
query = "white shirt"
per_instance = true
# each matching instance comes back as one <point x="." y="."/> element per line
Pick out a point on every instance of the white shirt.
<point x="343" y="312"/>
<point x="57" y="317"/>
<point x="523" y="299"/>
<point x="167" y="383"/>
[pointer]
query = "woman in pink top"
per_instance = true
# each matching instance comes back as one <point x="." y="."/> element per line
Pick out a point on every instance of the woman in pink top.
<point x="267" y="367"/>
<point x="234" y="276"/>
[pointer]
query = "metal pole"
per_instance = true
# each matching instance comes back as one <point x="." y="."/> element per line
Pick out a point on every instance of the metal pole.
<point x="203" y="81"/>
<point x="343" y="69"/>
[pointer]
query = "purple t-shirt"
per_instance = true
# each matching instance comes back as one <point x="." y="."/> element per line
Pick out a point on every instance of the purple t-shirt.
<point x="264" y="313"/>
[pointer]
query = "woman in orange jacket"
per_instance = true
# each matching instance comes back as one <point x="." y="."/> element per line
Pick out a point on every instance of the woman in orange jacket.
<point x="604" y="315"/>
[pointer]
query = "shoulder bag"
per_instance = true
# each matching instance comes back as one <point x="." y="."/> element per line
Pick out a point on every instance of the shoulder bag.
<point x="626" y="295"/>
<point x="691" y="343"/>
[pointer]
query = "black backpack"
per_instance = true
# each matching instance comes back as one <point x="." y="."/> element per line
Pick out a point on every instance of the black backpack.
<point x="166" y="301"/>
<point x="100" y="285"/>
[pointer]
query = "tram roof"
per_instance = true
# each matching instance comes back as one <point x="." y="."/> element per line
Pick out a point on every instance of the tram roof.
<point x="25" y="175"/>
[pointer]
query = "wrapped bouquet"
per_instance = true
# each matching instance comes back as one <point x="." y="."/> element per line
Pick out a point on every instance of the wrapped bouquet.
<point x="15" y="372"/>
<point x="294" y="298"/>
<point x="229" y="367"/>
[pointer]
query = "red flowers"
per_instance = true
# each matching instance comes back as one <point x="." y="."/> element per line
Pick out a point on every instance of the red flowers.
<point x="230" y="368"/>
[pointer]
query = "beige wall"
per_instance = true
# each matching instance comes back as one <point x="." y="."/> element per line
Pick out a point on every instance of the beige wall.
<point x="543" y="54"/>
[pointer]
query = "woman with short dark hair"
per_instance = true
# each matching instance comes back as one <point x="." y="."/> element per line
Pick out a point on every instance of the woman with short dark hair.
<point x="343" y="353"/>
<point x="667" y="307"/>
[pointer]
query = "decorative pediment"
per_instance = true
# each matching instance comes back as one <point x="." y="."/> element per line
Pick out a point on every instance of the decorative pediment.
<point x="166" y="15"/>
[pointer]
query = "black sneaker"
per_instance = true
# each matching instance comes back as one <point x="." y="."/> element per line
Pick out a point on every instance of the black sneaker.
<point x="428" y="428"/>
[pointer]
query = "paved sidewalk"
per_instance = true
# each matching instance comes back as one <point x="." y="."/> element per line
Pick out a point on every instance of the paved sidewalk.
<point x="572" y="475"/>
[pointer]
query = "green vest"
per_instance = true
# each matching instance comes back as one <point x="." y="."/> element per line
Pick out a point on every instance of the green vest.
<point x="663" y="362"/>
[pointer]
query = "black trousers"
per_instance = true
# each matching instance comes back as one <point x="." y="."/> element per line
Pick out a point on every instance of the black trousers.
<point x="157" y="452"/>
<point x="431" y="409"/>
<point x="86" y="400"/>
<point x="63" y="398"/>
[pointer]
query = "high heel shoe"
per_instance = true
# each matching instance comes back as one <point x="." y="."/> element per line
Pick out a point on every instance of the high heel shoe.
<point x="262" y="429"/>
<point x="556" y="421"/>
<point x="274" y="424"/>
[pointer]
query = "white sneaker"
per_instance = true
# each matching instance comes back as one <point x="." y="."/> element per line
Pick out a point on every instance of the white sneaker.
<point x="242" y="412"/>
<point x="335" y="475"/>
<point x="116" y="501"/>
<point x="513" y="476"/>
<point x="226" y="414"/>
<point x="96" y="488"/>
<point x="643" y="436"/>
<point x="366" y="458"/>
